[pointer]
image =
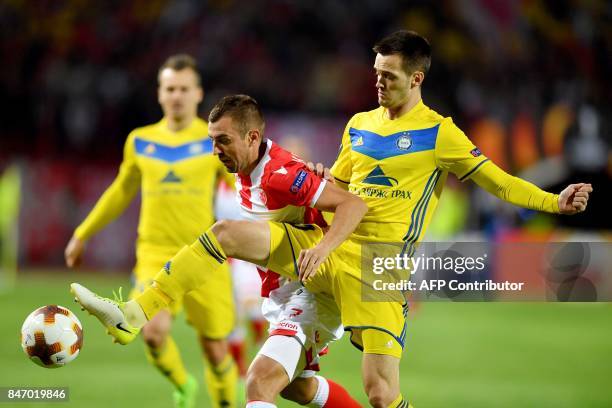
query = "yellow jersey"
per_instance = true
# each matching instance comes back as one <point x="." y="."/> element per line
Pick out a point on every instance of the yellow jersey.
<point x="177" y="175"/>
<point x="399" y="168"/>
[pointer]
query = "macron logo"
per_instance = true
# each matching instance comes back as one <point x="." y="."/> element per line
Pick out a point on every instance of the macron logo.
<point x="282" y="170"/>
<point x="288" y="325"/>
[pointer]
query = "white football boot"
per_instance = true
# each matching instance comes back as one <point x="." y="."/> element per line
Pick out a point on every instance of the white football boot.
<point x="108" y="311"/>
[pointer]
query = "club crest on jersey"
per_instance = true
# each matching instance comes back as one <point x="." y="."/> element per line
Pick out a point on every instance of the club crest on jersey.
<point x="475" y="152"/>
<point x="150" y="149"/>
<point x="298" y="181"/>
<point x="404" y="142"/>
<point x="196" y="148"/>
<point x="357" y="142"/>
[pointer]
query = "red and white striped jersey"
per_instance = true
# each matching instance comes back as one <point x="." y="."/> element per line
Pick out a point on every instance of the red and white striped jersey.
<point x="281" y="188"/>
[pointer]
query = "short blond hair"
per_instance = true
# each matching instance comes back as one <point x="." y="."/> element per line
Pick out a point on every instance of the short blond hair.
<point x="179" y="62"/>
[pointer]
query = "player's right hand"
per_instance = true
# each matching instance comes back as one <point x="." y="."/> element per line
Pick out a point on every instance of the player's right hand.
<point x="309" y="261"/>
<point x="320" y="170"/>
<point x="574" y="198"/>
<point x="73" y="254"/>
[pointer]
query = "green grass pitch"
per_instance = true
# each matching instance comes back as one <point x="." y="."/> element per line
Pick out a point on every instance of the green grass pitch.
<point x="458" y="354"/>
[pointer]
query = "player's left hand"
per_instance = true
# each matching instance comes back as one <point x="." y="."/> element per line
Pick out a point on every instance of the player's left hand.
<point x="320" y="170"/>
<point x="574" y="198"/>
<point x="73" y="254"/>
<point x="310" y="260"/>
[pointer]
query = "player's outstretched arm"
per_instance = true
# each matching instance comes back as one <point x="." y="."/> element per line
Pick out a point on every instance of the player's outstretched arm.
<point x="349" y="210"/>
<point x="519" y="192"/>
<point x="111" y="204"/>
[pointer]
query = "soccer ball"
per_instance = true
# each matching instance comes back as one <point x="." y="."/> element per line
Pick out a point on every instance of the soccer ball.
<point x="52" y="336"/>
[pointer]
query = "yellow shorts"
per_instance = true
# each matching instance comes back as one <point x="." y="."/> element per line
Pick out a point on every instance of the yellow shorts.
<point x="209" y="309"/>
<point x="340" y="276"/>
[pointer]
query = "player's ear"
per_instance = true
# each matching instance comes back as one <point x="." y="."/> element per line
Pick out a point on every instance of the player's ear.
<point x="253" y="136"/>
<point x="417" y="79"/>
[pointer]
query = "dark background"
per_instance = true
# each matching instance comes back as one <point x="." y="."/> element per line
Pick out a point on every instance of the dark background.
<point x="528" y="81"/>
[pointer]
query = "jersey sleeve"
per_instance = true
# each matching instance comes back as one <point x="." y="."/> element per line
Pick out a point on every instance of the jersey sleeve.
<point x="116" y="197"/>
<point x="515" y="190"/>
<point x="296" y="186"/>
<point x="343" y="167"/>
<point x="455" y="153"/>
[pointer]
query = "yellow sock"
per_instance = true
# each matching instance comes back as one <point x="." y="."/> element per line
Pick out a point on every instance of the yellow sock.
<point x="187" y="270"/>
<point x="399" y="402"/>
<point x="168" y="361"/>
<point x="142" y="308"/>
<point x="221" y="382"/>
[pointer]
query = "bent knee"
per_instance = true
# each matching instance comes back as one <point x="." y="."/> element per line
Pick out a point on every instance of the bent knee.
<point x="222" y="227"/>
<point x="301" y="390"/>
<point x="265" y="379"/>
<point x="379" y="395"/>
<point x="255" y="385"/>
<point x="154" y="338"/>
<point x="214" y="350"/>
<point x="225" y="232"/>
<point x="155" y="333"/>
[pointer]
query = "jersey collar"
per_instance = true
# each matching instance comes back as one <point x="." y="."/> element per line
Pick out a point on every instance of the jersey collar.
<point x="262" y="162"/>
<point x="415" y="109"/>
<point x="163" y="123"/>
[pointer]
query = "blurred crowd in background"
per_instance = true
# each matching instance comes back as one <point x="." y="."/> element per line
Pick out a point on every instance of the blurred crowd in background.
<point x="529" y="81"/>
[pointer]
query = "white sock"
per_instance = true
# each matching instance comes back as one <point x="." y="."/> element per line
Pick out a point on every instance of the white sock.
<point x="134" y="314"/>
<point x="260" y="404"/>
<point x="322" y="394"/>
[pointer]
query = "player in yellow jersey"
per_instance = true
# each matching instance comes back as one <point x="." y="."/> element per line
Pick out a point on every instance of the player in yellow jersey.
<point x="172" y="164"/>
<point x="396" y="158"/>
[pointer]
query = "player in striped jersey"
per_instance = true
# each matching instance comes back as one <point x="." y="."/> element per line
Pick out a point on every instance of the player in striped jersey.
<point x="280" y="196"/>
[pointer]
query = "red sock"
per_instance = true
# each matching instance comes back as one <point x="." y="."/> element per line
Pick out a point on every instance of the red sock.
<point x="236" y="349"/>
<point x="339" y="397"/>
